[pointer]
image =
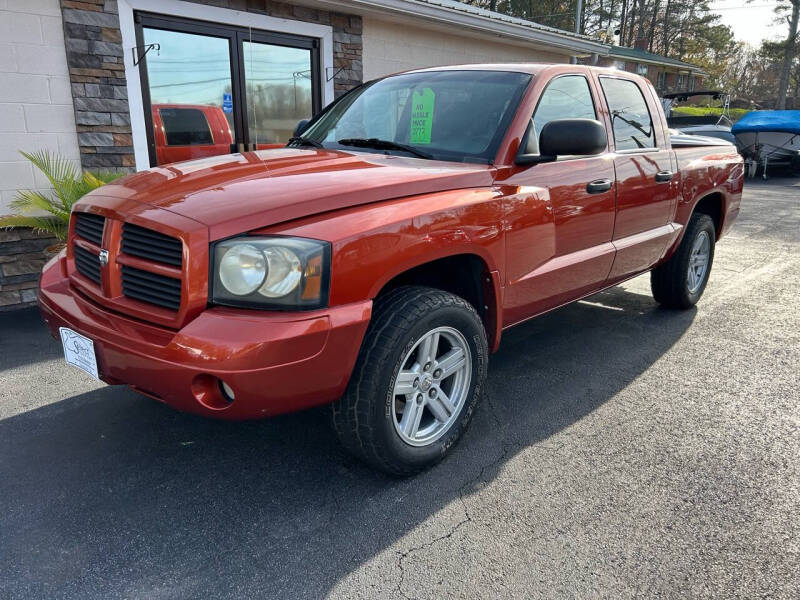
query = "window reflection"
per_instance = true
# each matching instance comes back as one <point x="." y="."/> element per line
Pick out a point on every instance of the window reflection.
<point x="633" y="127"/>
<point x="190" y="95"/>
<point x="278" y="91"/>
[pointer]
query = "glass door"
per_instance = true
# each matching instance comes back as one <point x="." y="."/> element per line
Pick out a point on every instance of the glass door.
<point x="211" y="89"/>
<point x="278" y="91"/>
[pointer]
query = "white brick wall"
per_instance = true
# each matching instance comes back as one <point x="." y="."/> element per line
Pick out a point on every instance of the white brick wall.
<point x="392" y="47"/>
<point x="35" y="100"/>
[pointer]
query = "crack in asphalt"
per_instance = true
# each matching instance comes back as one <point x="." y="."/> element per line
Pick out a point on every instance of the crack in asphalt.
<point x="506" y="448"/>
<point x="461" y="493"/>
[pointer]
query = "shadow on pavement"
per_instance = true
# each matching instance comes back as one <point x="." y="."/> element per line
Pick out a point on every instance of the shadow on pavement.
<point x="24" y="341"/>
<point x="111" y="494"/>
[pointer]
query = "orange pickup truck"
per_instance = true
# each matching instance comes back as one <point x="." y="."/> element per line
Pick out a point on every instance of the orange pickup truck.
<point x="373" y="263"/>
<point x="186" y="131"/>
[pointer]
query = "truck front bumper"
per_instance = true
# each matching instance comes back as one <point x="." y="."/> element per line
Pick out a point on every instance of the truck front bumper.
<point x="273" y="362"/>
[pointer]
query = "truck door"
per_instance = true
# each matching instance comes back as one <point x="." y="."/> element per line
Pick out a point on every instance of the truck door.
<point x="559" y="229"/>
<point x="645" y="190"/>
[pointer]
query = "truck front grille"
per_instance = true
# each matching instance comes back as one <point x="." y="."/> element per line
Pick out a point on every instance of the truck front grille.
<point x="151" y="288"/>
<point x="151" y="245"/>
<point x="90" y="227"/>
<point x="88" y="264"/>
<point x="143" y="272"/>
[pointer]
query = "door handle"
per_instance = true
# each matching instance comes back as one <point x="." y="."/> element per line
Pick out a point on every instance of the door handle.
<point x="599" y="186"/>
<point x="663" y="176"/>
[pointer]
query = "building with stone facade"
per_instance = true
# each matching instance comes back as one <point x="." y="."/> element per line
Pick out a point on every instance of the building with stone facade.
<point x="129" y="84"/>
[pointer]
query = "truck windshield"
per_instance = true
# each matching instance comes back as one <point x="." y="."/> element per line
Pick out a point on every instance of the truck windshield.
<point x="444" y="115"/>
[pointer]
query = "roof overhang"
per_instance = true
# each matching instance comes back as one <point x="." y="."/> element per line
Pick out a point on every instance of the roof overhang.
<point x="448" y="13"/>
<point x="650" y="61"/>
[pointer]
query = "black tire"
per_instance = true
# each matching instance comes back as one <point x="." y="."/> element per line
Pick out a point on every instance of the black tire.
<point x="670" y="281"/>
<point x="364" y="417"/>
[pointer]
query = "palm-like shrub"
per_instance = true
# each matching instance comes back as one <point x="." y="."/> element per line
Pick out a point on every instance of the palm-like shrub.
<point x="49" y="212"/>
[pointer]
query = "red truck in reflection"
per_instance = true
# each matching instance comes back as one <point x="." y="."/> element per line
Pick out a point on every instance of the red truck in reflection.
<point x="374" y="262"/>
<point x="186" y="131"/>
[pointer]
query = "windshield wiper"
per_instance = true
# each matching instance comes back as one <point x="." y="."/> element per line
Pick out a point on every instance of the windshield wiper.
<point x="383" y="145"/>
<point x="299" y="140"/>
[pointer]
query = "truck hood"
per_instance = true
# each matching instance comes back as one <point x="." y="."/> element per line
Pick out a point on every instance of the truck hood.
<point x="235" y="193"/>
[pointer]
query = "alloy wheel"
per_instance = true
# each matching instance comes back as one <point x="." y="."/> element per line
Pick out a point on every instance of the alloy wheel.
<point x="698" y="262"/>
<point x="432" y="386"/>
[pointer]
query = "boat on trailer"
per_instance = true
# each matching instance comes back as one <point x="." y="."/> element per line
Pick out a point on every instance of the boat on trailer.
<point x="769" y="138"/>
<point x="681" y="139"/>
<point x="702" y="125"/>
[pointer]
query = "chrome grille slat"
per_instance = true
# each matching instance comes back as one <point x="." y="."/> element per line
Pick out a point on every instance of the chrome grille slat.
<point x="151" y="245"/>
<point x="90" y="227"/>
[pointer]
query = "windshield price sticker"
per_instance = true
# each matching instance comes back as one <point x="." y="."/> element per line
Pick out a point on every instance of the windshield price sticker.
<point x="422" y="116"/>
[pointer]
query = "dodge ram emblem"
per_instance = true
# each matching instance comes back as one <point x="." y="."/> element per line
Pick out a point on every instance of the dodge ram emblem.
<point x="103" y="257"/>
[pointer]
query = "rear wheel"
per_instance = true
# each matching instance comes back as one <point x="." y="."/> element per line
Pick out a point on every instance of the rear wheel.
<point x="680" y="281"/>
<point x="417" y="381"/>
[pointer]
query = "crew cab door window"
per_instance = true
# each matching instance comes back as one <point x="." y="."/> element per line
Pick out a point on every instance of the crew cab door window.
<point x="566" y="97"/>
<point x="558" y="241"/>
<point x="646" y="198"/>
<point x="630" y="118"/>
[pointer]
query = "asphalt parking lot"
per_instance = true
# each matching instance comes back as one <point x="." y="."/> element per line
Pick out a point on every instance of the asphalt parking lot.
<point x="624" y="450"/>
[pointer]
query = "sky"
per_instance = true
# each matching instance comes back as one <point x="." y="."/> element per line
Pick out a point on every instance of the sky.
<point x="751" y="22"/>
<point x="196" y="69"/>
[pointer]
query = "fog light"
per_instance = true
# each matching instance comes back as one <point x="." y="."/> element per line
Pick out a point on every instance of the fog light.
<point x="227" y="391"/>
<point x="212" y="392"/>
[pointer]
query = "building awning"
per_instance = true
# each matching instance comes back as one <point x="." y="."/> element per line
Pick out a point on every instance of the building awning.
<point x="465" y="16"/>
<point x="643" y="56"/>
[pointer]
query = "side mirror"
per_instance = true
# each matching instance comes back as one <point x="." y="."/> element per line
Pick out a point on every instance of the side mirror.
<point x="301" y="126"/>
<point x="567" y="137"/>
<point x="575" y="137"/>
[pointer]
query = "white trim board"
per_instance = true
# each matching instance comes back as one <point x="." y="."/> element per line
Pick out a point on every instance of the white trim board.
<point x="201" y="12"/>
<point x="459" y="16"/>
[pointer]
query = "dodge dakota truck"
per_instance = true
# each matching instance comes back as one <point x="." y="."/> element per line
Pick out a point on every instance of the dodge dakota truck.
<point x="373" y="263"/>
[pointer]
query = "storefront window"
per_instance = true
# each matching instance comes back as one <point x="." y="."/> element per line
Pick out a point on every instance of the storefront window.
<point x="212" y="89"/>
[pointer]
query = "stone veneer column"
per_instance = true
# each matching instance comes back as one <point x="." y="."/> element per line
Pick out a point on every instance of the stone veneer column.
<point x="99" y="92"/>
<point x="21" y="259"/>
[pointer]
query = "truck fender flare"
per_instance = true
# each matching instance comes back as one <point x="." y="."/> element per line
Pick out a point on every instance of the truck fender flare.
<point x="491" y="282"/>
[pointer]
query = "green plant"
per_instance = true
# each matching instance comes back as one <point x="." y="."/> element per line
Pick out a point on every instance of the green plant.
<point x="69" y="185"/>
<point x="709" y="111"/>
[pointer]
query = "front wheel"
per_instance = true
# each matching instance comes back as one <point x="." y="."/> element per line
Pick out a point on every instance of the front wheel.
<point x="417" y="380"/>
<point x="680" y="281"/>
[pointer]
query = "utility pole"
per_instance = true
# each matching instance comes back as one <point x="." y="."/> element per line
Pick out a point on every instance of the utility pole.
<point x="788" y="56"/>
<point x="578" y="17"/>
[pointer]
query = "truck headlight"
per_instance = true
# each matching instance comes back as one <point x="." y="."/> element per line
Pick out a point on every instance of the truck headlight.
<point x="242" y="269"/>
<point x="271" y="272"/>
